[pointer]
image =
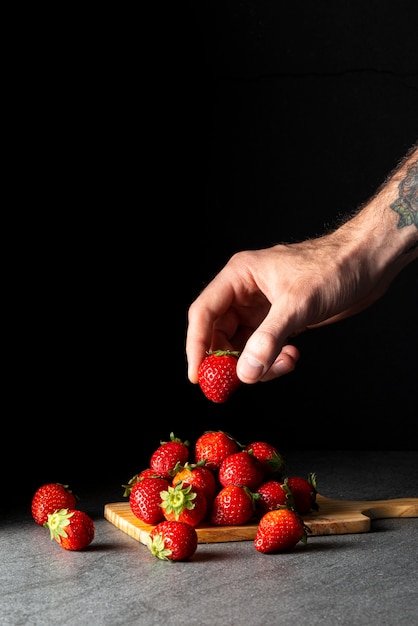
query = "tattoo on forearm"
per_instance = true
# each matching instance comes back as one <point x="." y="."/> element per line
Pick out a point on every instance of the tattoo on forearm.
<point x="407" y="203"/>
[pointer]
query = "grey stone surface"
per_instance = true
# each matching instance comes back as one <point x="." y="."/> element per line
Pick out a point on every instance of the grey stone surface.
<point x="351" y="580"/>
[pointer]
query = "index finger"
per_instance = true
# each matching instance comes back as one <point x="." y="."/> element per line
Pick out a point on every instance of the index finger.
<point x="208" y="307"/>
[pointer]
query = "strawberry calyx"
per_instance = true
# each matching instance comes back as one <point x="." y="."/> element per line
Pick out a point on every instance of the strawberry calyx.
<point x="137" y="479"/>
<point x="234" y="353"/>
<point x="276" y="463"/>
<point x="290" y="500"/>
<point x="253" y="496"/>
<point x="176" y="499"/>
<point x="306" y="530"/>
<point x="157" y="547"/>
<point x="57" y="522"/>
<point x="175" y="439"/>
<point x="312" y="480"/>
<point x="186" y="466"/>
<point x="128" y="487"/>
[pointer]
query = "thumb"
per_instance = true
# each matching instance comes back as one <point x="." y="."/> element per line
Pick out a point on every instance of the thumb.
<point x="266" y="354"/>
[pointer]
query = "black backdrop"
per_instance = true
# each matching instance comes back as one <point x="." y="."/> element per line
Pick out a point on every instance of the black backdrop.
<point x="158" y="147"/>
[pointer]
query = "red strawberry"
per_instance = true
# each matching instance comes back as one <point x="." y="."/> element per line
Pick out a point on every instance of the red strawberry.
<point x="173" y="541"/>
<point x="241" y="468"/>
<point x="218" y="375"/>
<point x="233" y="505"/>
<point x="167" y="455"/>
<point x="273" y="495"/>
<point x="279" y="530"/>
<point x="304" y="493"/>
<point x="199" y="476"/>
<point x="71" y="529"/>
<point x="184" y="504"/>
<point x="270" y="458"/>
<point x="50" y="498"/>
<point x="145" y="499"/>
<point x="146" y="473"/>
<point x="213" y="446"/>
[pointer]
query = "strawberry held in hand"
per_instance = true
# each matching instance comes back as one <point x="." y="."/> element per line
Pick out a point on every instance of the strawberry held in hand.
<point x="71" y="529"/>
<point x="218" y="375"/>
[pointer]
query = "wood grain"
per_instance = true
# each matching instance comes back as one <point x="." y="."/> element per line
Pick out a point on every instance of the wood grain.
<point x="334" y="517"/>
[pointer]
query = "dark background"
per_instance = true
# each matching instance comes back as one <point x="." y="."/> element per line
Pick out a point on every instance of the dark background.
<point x="153" y="146"/>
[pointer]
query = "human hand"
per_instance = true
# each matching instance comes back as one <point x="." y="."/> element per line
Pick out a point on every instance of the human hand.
<point x="262" y="298"/>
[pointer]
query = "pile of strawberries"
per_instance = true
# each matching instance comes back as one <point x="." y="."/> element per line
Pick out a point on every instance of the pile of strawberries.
<point x="223" y="483"/>
<point x="54" y="506"/>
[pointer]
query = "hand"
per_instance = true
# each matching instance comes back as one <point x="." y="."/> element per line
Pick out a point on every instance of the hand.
<point x="262" y="298"/>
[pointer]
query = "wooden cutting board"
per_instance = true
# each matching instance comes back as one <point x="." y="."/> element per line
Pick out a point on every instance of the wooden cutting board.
<point x="334" y="517"/>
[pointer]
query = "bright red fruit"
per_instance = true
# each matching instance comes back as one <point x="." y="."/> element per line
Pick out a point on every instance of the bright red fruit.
<point x="50" y="498"/>
<point x="173" y="541"/>
<point x="270" y="458"/>
<point x="184" y="504"/>
<point x="145" y="499"/>
<point x="147" y="473"/>
<point x="217" y="374"/>
<point x="213" y="447"/>
<point x="233" y="505"/>
<point x="273" y="495"/>
<point x="304" y="493"/>
<point x="241" y="468"/>
<point x="71" y="529"/>
<point x="200" y="477"/>
<point x="279" y="530"/>
<point x="167" y="455"/>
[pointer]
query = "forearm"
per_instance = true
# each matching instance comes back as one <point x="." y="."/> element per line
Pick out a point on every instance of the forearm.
<point x="384" y="234"/>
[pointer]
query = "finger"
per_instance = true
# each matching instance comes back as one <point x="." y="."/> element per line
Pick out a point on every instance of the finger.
<point x="284" y="364"/>
<point x="254" y="364"/>
<point x="198" y="341"/>
<point x="263" y="348"/>
<point x="203" y="313"/>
